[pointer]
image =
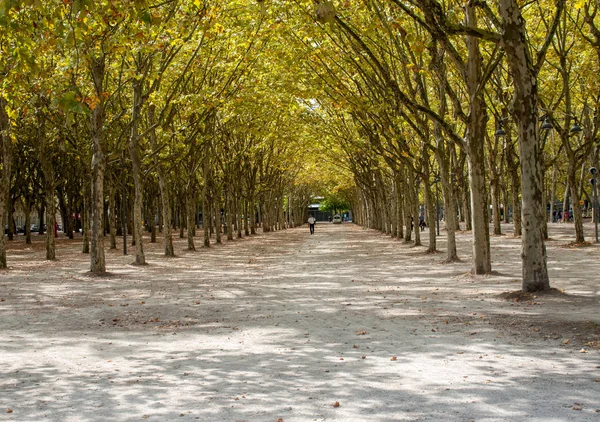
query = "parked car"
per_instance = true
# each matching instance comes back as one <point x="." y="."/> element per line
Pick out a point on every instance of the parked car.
<point x="34" y="228"/>
<point x="337" y="219"/>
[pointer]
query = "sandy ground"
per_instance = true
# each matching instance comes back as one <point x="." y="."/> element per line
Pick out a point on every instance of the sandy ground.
<point x="283" y="326"/>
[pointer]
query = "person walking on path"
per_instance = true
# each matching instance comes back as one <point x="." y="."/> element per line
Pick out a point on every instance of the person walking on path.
<point x="311" y="224"/>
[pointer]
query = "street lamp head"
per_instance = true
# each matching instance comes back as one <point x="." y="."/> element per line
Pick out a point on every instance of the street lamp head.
<point x="575" y="128"/>
<point x="593" y="171"/>
<point x="546" y="125"/>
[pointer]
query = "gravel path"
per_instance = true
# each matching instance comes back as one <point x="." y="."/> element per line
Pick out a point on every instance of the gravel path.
<point x="287" y="325"/>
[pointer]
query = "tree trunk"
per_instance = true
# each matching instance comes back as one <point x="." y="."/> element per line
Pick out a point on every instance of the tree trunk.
<point x="252" y="215"/>
<point x="7" y="158"/>
<point x="27" y="209"/>
<point x="138" y="201"/>
<point x="525" y="102"/>
<point x="191" y="221"/>
<point x="553" y="196"/>
<point x="85" y="227"/>
<point x="476" y="131"/>
<point x="97" y="258"/>
<point x="246" y="218"/>
<point x="577" y="219"/>
<point x="206" y="215"/>
<point x="495" y="193"/>
<point x="112" y="219"/>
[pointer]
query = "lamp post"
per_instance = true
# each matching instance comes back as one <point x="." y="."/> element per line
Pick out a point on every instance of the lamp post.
<point x="594" y="182"/>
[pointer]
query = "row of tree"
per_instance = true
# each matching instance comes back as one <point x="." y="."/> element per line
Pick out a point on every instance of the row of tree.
<point x="132" y="111"/>
<point x="240" y="108"/>
<point x="481" y="100"/>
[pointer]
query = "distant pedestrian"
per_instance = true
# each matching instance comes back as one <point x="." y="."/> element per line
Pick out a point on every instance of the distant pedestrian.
<point x="422" y="224"/>
<point x="311" y="224"/>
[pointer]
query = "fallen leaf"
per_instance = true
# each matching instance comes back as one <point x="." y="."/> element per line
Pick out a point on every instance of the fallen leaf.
<point x="336" y="404"/>
<point x="393" y="358"/>
<point x="364" y="357"/>
<point x="576" y="408"/>
<point x="566" y="341"/>
<point x="10" y="410"/>
<point x="583" y="351"/>
<point x="279" y="420"/>
<point x="361" y="333"/>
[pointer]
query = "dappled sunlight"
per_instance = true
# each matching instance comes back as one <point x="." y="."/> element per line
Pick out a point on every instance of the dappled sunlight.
<point x="255" y="330"/>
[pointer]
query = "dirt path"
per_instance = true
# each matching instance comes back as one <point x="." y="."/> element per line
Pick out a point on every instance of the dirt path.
<point x="287" y="324"/>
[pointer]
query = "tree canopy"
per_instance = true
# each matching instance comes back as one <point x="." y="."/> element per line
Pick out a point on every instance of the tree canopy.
<point x="122" y="114"/>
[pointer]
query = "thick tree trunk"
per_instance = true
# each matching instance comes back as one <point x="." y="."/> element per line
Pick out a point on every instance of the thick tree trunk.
<point x="525" y="102"/>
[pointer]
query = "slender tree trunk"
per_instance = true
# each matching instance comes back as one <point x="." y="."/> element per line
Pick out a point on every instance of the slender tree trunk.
<point x="97" y="258"/>
<point x="27" y="209"/>
<point x="86" y="215"/>
<point x="252" y="215"/>
<point x="246" y="218"/>
<point x="577" y="219"/>
<point x="7" y="157"/>
<point x="476" y="128"/>
<point x="495" y="193"/>
<point x="399" y="206"/>
<point x="553" y="196"/>
<point x="191" y="221"/>
<point x="218" y="222"/>
<point x="138" y="229"/>
<point x="229" y="219"/>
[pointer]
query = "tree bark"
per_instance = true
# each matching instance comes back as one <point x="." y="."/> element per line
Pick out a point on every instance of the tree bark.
<point x="476" y="131"/>
<point x="97" y="258"/>
<point x="190" y="211"/>
<point x="7" y="157"/>
<point x="525" y="109"/>
<point x="138" y="201"/>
